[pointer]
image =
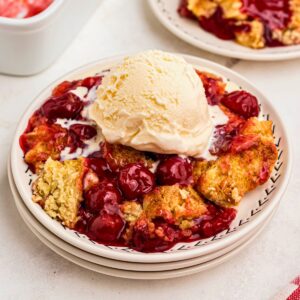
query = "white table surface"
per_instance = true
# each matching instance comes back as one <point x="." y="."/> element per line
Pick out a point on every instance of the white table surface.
<point x="29" y="270"/>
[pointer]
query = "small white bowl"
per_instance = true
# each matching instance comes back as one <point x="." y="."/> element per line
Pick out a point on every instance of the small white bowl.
<point x="192" y="33"/>
<point x="253" y="210"/>
<point x="30" y="45"/>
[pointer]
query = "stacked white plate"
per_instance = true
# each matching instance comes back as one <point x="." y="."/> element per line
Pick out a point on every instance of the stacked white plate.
<point x="254" y="213"/>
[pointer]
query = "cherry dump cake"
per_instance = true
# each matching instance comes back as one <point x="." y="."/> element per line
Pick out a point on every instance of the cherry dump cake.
<point x="116" y="193"/>
<point x="252" y="23"/>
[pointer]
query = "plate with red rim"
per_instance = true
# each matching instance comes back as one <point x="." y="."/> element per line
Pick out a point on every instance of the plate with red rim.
<point x="189" y="31"/>
<point x="251" y="212"/>
<point x="40" y="230"/>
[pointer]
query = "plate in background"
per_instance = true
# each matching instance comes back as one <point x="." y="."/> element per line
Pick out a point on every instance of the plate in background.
<point x="192" y="33"/>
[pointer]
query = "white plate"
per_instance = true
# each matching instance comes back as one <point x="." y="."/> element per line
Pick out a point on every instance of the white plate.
<point x="253" y="210"/>
<point x="192" y="33"/>
<point x="33" y="223"/>
<point x="147" y="275"/>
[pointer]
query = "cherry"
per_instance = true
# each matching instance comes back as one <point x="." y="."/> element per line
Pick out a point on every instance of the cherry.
<point x="220" y="219"/>
<point x="99" y="195"/>
<point x="264" y="173"/>
<point x="218" y="25"/>
<point x="135" y="180"/>
<point x="241" y="103"/>
<point x="84" y="218"/>
<point x="242" y="143"/>
<point x="106" y="227"/>
<point x="99" y="166"/>
<point x="67" y="106"/>
<point x="84" y="132"/>
<point x="213" y="89"/>
<point x="174" y="170"/>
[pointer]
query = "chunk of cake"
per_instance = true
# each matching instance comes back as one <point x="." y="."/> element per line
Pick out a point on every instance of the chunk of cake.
<point x="58" y="189"/>
<point x="175" y="204"/>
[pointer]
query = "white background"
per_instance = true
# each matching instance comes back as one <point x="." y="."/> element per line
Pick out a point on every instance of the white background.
<point x="29" y="270"/>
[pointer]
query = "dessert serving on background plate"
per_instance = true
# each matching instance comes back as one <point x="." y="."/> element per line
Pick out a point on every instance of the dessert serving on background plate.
<point x="151" y="153"/>
<point x="251" y="23"/>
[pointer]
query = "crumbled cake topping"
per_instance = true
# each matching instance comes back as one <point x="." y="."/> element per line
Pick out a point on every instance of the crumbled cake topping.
<point x="58" y="189"/>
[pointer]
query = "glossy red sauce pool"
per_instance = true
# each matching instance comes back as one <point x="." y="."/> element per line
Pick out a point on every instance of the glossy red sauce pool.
<point x="21" y="9"/>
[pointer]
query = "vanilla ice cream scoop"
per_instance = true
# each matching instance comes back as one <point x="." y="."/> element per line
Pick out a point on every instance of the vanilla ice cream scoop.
<point x="154" y="101"/>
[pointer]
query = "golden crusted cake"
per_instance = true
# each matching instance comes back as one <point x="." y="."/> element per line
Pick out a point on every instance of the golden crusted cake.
<point x="58" y="189"/>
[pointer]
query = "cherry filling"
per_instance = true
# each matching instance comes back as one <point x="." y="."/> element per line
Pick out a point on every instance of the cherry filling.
<point x="67" y="106"/>
<point x="142" y="239"/>
<point x="99" y="166"/>
<point x="275" y="14"/>
<point x="90" y="82"/>
<point x="174" y="170"/>
<point x="214" y="88"/>
<point x="241" y="103"/>
<point x="217" y="220"/>
<point x="81" y="132"/>
<point x="216" y="24"/>
<point x="223" y="140"/>
<point x="106" y="227"/>
<point x="135" y="181"/>
<point x="67" y="86"/>
<point x="100" y="195"/>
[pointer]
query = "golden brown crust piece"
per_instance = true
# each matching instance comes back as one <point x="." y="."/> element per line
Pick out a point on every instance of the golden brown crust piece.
<point x="58" y="189"/>
<point x="226" y="180"/>
<point x="119" y="156"/>
<point x="43" y="142"/>
<point x="175" y="204"/>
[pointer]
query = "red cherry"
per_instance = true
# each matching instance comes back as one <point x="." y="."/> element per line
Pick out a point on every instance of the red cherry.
<point x="219" y="220"/>
<point x="264" y="173"/>
<point x="106" y="227"/>
<point x="174" y="170"/>
<point x="66" y="106"/>
<point x="84" y="132"/>
<point x="84" y="218"/>
<point x="242" y="103"/>
<point x="99" y="166"/>
<point x="97" y="196"/>
<point x="135" y="180"/>
<point x="218" y="25"/>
